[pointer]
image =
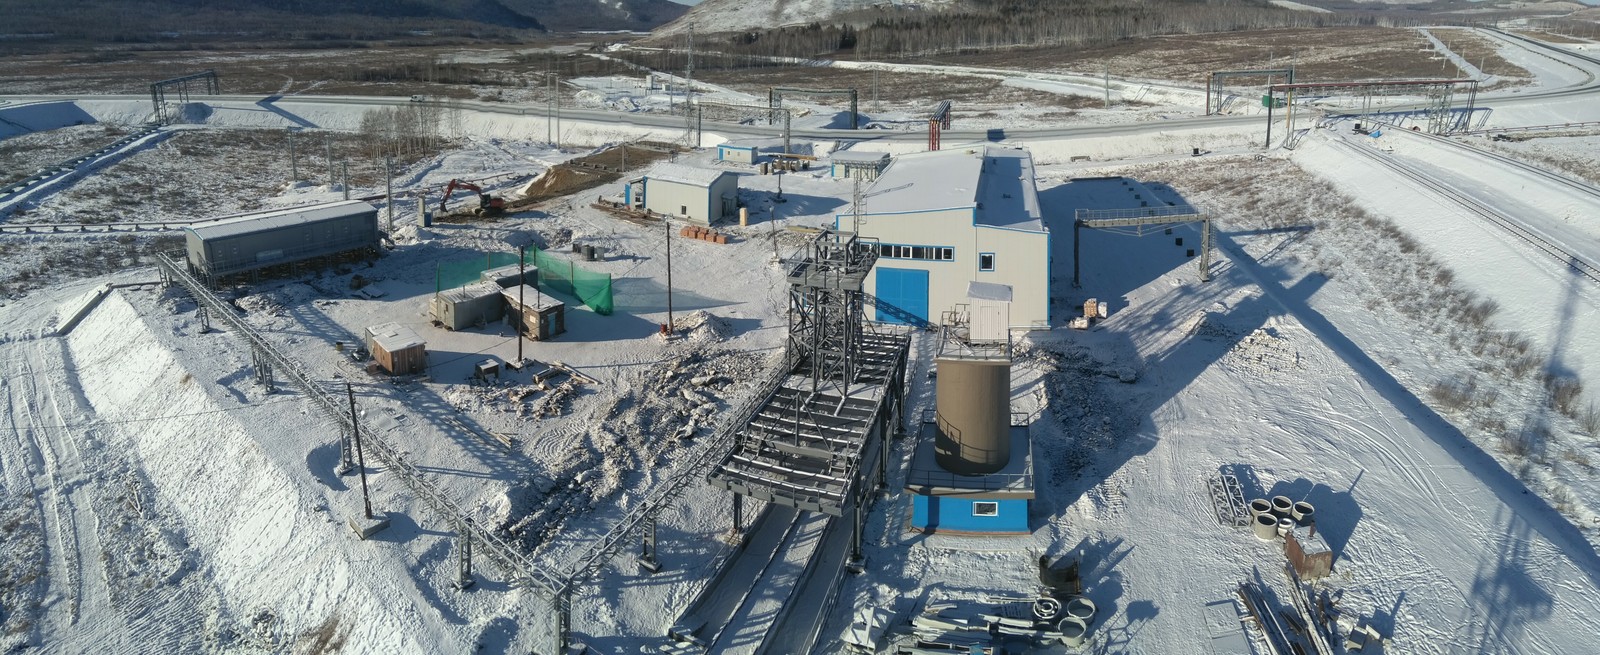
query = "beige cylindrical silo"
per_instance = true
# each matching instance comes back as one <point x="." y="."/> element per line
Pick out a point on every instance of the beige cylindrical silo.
<point x="974" y="407"/>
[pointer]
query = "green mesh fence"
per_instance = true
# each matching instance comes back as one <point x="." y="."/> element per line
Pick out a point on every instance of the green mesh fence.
<point x="556" y="275"/>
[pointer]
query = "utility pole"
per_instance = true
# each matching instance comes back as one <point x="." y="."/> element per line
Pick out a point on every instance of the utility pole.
<point x="875" y="106"/>
<point x="1108" y="85"/>
<point x="344" y="172"/>
<point x="327" y="142"/>
<point x="388" y="189"/>
<point x="522" y="272"/>
<point x="549" y="105"/>
<point x="556" y="97"/>
<point x="773" y="223"/>
<point x="361" y="460"/>
<point x="294" y="166"/>
<point x="671" y="325"/>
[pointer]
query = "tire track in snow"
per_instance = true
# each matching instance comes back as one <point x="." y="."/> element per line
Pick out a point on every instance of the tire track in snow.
<point x="94" y="602"/>
<point x="65" y="532"/>
<point x="1378" y="442"/>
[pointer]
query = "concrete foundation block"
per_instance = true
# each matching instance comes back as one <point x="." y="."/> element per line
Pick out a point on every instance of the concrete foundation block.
<point x="365" y="527"/>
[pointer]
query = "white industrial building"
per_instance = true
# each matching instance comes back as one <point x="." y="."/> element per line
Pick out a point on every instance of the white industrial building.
<point x="947" y="218"/>
<point x="701" y="196"/>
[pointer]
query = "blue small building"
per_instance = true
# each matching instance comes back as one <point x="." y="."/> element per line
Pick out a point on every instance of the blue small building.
<point x="988" y="504"/>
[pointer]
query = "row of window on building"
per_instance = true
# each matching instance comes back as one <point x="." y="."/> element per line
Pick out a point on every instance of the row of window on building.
<point x="932" y="254"/>
<point x="927" y="253"/>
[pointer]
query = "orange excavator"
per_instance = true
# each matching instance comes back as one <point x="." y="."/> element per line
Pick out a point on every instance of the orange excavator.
<point x="487" y="205"/>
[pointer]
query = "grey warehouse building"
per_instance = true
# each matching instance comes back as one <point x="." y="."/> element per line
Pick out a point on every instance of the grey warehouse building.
<point x="282" y="237"/>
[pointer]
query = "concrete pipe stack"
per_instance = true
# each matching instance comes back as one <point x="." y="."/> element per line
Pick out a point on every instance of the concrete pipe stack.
<point x="1281" y="506"/>
<point x="1302" y="513"/>
<point x="1266" y="526"/>
<point x="1073" y="631"/>
<point x="1260" y="506"/>
<point x="1081" y="608"/>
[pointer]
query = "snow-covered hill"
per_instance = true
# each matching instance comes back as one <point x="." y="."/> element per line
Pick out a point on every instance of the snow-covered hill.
<point x="737" y="15"/>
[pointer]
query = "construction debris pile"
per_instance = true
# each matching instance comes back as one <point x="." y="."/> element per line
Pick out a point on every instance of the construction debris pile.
<point x="1059" y="615"/>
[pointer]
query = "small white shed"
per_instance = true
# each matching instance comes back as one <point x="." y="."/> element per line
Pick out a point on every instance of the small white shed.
<point x="698" y="195"/>
<point x="990" y="307"/>
<point x="736" y="153"/>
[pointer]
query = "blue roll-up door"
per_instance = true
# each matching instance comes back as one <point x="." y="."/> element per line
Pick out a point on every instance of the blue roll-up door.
<point x="904" y="288"/>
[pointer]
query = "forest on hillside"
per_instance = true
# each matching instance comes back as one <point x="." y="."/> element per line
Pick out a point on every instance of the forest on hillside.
<point x="978" y="25"/>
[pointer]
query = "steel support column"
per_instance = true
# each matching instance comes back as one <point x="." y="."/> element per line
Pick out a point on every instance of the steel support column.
<point x="464" y="579"/>
<point x="647" y="547"/>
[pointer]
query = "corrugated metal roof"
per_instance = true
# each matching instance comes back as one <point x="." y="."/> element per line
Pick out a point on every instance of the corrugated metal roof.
<point x="472" y="291"/>
<point x="392" y="337"/>
<point x="858" y="157"/>
<point x="530" y="296"/>
<point x="278" y="218"/>
<point x="996" y="182"/>
<point x="685" y="174"/>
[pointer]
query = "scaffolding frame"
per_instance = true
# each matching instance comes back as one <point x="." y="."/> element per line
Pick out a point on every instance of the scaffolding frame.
<point x="207" y="79"/>
<point x="1140" y="218"/>
<point x="819" y="442"/>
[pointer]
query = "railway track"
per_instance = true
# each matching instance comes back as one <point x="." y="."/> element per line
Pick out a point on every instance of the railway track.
<point x="1578" y="185"/>
<point x="1486" y="213"/>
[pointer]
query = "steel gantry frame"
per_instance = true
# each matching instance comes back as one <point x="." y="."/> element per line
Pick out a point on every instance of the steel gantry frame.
<point x="1439" y="110"/>
<point x="775" y="98"/>
<point x="728" y="111"/>
<point x="180" y="85"/>
<point x="1139" y="218"/>
<point x="1215" y="93"/>
<point x="266" y="358"/>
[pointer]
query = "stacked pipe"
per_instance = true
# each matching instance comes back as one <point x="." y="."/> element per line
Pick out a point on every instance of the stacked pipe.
<point x="1275" y="518"/>
<point x="704" y="234"/>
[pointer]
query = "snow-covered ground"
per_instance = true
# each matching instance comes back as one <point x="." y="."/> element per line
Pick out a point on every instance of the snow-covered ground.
<point x="155" y="499"/>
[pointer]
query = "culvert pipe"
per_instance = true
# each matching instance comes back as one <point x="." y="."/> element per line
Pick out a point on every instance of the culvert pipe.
<point x="1072" y="631"/>
<point x="1281" y="506"/>
<point x="1285" y="526"/>
<point x="1302" y="513"/>
<point x="1266" y="527"/>
<point x="1260" y="506"/>
<point x="1080" y="608"/>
